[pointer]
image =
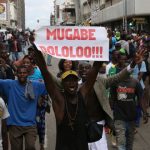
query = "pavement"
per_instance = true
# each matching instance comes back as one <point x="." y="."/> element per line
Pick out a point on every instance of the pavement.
<point x="141" y="140"/>
<point x="142" y="137"/>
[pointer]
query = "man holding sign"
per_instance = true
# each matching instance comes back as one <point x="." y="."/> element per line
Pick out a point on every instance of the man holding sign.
<point x="68" y="105"/>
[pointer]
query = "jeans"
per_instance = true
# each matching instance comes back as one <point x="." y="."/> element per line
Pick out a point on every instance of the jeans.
<point x="138" y="115"/>
<point x="125" y="134"/>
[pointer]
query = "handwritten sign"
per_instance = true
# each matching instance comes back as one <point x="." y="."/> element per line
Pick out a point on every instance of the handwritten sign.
<point x="75" y="43"/>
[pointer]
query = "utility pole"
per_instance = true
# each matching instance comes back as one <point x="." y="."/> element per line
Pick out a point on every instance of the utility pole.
<point x="125" y="23"/>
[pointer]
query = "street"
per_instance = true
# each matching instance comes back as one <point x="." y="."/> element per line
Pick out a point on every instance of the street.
<point x="114" y="32"/>
<point x="141" y="138"/>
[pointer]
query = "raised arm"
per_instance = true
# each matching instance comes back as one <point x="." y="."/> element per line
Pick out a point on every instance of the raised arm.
<point x="53" y="91"/>
<point x="91" y="77"/>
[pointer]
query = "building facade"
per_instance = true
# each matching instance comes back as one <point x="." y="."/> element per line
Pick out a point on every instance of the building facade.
<point x="4" y="13"/>
<point x="64" y="12"/>
<point x="12" y="14"/>
<point x="117" y="13"/>
<point x="20" y="5"/>
<point x="85" y="11"/>
<point x="52" y="20"/>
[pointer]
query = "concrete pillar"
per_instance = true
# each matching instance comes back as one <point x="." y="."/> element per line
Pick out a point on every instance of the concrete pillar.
<point x="78" y="11"/>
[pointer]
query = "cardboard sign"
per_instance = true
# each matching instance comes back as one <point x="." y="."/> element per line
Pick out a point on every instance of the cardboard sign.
<point x="74" y="43"/>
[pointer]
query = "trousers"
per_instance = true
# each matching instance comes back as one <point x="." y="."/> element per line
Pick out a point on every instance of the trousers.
<point x="125" y="134"/>
<point x="18" y="133"/>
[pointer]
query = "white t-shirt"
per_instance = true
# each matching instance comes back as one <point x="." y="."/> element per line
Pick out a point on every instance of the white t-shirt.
<point x="137" y="70"/>
<point x="3" y="115"/>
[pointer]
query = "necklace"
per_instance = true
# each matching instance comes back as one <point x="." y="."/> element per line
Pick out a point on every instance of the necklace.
<point x="73" y="117"/>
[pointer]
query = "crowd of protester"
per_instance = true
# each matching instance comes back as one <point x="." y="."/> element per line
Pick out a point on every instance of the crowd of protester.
<point x="114" y="94"/>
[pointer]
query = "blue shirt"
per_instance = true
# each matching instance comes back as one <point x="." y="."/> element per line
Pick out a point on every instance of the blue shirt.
<point x="36" y="75"/>
<point x="22" y="110"/>
<point x="113" y="44"/>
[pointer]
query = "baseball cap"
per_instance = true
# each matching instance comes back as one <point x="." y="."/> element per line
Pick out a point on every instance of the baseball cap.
<point x="68" y="73"/>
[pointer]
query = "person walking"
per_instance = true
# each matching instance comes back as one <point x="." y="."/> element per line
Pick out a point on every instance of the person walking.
<point x="97" y="103"/>
<point x="22" y="98"/>
<point x="124" y="95"/>
<point x="34" y="74"/>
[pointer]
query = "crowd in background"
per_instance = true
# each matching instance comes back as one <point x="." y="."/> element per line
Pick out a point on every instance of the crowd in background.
<point x="127" y="95"/>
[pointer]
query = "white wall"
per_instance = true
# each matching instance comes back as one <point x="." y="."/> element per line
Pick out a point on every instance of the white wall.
<point x="142" y="7"/>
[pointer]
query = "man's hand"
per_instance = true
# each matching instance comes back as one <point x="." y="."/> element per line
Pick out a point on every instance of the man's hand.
<point x="31" y="39"/>
<point x="138" y="58"/>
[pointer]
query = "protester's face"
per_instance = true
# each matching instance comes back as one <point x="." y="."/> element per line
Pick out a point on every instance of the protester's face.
<point x="4" y="54"/>
<point x="27" y="63"/>
<point x="122" y="60"/>
<point x="22" y="75"/>
<point x="67" y="65"/>
<point x="83" y="70"/>
<point x="115" y="55"/>
<point x="70" y="84"/>
<point x="102" y="70"/>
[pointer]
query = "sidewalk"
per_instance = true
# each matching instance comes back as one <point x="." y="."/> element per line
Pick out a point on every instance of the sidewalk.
<point x="142" y="138"/>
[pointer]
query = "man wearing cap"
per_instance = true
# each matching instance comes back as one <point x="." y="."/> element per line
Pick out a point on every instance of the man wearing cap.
<point x="69" y="106"/>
